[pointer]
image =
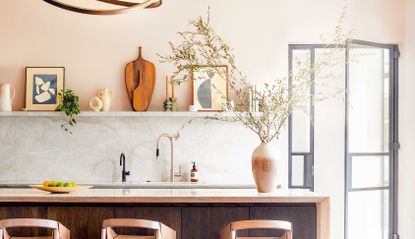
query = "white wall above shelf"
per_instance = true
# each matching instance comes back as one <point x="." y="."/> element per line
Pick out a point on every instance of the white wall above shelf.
<point x="115" y="114"/>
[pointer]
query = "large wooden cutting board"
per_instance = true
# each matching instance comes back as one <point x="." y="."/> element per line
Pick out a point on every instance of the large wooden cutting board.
<point x="140" y="80"/>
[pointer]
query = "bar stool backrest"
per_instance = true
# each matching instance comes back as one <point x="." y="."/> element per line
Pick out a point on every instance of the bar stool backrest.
<point x="59" y="231"/>
<point x="229" y="232"/>
<point x="161" y="231"/>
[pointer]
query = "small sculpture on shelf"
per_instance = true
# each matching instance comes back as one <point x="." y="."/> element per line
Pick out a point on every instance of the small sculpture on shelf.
<point x="96" y="104"/>
<point x="170" y="104"/>
<point x="173" y="104"/>
<point x="106" y="96"/>
<point x="102" y="102"/>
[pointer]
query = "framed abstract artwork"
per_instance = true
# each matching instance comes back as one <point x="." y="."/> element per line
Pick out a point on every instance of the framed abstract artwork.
<point x="42" y="87"/>
<point x="209" y="87"/>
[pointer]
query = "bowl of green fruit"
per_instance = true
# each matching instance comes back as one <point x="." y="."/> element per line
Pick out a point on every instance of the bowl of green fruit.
<point x="60" y="187"/>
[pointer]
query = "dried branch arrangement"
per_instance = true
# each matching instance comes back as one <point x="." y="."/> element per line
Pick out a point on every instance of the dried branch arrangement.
<point x="277" y="99"/>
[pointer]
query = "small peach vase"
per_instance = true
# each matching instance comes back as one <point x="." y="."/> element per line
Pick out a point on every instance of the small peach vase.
<point x="266" y="161"/>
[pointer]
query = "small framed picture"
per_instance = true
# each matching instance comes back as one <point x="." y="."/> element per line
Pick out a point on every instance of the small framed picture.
<point x="209" y="87"/>
<point x="42" y="87"/>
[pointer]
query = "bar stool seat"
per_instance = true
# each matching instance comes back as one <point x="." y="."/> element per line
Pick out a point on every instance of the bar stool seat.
<point x="161" y="231"/>
<point x="30" y="237"/>
<point x="59" y="230"/>
<point x="229" y="231"/>
<point x="133" y="237"/>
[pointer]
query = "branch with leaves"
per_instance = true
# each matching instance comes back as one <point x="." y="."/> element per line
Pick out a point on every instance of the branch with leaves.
<point x="278" y="99"/>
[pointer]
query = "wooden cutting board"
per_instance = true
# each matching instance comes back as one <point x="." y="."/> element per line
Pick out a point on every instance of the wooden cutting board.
<point x="140" y="80"/>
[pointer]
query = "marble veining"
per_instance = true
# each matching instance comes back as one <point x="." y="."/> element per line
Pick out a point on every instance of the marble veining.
<point x="37" y="149"/>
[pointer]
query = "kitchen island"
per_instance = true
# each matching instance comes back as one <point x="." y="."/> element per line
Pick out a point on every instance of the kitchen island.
<point x="193" y="213"/>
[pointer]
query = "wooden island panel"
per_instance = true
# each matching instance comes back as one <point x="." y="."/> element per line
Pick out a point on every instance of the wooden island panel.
<point x="82" y="221"/>
<point x="190" y="221"/>
<point x="168" y="215"/>
<point x="302" y="217"/>
<point x="206" y="222"/>
<point x="25" y="211"/>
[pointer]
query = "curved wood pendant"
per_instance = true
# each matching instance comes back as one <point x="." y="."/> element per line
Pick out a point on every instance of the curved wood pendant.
<point x="126" y="6"/>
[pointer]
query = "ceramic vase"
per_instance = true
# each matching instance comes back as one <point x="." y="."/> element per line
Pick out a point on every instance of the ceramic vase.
<point x="106" y="96"/>
<point x="96" y="104"/>
<point x="6" y="97"/>
<point x="266" y="160"/>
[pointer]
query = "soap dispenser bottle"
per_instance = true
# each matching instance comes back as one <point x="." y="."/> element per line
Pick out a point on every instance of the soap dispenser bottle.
<point x="194" y="174"/>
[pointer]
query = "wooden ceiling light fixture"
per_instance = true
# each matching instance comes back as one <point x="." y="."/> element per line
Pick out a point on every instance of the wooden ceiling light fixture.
<point x="123" y="6"/>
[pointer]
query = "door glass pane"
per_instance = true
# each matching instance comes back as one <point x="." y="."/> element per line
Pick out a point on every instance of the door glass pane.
<point x="370" y="171"/>
<point x="368" y="214"/>
<point x="368" y="135"/>
<point x="297" y="170"/>
<point x="300" y="119"/>
<point x="368" y="96"/>
<point x="300" y="131"/>
<point x="330" y="79"/>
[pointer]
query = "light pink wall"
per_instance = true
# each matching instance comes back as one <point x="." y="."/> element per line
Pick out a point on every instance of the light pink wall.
<point x="95" y="49"/>
<point x="407" y="126"/>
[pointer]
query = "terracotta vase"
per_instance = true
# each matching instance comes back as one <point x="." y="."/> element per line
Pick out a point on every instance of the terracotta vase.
<point x="265" y="167"/>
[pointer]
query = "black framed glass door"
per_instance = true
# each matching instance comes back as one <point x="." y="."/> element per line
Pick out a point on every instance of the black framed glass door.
<point x="301" y="128"/>
<point x="371" y="140"/>
<point x="370" y="137"/>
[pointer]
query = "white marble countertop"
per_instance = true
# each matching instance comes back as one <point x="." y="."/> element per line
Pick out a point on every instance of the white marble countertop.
<point x="144" y="185"/>
<point x="12" y="195"/>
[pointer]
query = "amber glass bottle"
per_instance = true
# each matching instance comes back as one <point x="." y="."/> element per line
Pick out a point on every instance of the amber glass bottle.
<point x="194" y="174"/>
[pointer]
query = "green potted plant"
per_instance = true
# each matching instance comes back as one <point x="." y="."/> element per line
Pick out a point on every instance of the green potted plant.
<point x="69" y="104"/>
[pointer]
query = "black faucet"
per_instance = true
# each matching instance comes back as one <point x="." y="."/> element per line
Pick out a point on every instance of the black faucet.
<point x="124" y="173"/>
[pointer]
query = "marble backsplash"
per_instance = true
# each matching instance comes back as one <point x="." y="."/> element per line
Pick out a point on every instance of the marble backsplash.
<point x="37" y="149"/>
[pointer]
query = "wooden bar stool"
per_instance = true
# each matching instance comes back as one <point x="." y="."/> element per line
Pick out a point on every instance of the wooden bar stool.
<point x="229" y="232"/>
<point x="59" y="231"/>
<point x="161" y="231"/>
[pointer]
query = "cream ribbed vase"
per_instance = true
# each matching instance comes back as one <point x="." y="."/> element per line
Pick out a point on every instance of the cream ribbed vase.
<point x="265" y="167"/>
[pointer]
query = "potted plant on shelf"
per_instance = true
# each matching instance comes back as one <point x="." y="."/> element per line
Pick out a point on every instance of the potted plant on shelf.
<point x="69" y="104"/>
<point x="277" y="99"/>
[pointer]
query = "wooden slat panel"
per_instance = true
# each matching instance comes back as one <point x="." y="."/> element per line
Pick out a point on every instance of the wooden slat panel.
<point x="207" y="222"/>
<point x="302" y="217"/>
<point x="191" y="221"/>
<point x="25" y="212"/>
<point x="83" y="222"/>
<point x="170" y="216"/>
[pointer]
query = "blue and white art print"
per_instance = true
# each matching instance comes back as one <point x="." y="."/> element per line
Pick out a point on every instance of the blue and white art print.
<point x="44" y="89"/>
<point x="43" y="85"/>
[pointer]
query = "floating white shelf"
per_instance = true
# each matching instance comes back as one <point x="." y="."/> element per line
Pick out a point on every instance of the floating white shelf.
<point x="115" y="114"/>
